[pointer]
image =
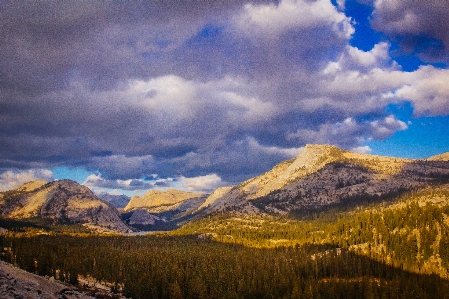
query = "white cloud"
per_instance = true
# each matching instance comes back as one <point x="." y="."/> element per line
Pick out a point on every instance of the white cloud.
<point x="428" y="91"/>
<point x="271" y="20"/>
<point x="362" y="149"/>
<point x="170" y="96"/>
<point x="370" y="58"/>
<point x="350" y="131"/>
<point x="205" y="183"/>
<point x="13" y="179"/>
<point x="386" y="127"/>
<point x="97" y="182"/>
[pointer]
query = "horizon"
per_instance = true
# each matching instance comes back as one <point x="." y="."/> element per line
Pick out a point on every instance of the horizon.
<point x="128" y="97"/>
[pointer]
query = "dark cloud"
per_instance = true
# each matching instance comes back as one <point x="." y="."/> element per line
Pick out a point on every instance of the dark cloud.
<point x="420" y="27"/>
<point x="214" y="90"/>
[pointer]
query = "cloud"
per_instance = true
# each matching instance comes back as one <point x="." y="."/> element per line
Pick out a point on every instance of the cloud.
<point x="362" y="149"/>
<point x="272" y="20"/>
<point x="386" y="127"/>
<point x="13" y="179"/>
<point x="427" y="90"/>
<point x="419" y="27"/>
<point x="205" y="183"/>
<point x="350" y="132"/>
<point x="97" y="182"/>
<point x="288" y="153"/>
<point x="132" y="89"/>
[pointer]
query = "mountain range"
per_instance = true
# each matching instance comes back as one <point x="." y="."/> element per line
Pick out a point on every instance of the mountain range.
<point x="320" y="176"/>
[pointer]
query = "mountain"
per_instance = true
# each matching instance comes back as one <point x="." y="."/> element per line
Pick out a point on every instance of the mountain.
<point x="323" y="175"/>
<point x="118" y="201"/>
<point x="61" y="202"/>
<point x="155" y="201"/>
<point x="161" y="210"/>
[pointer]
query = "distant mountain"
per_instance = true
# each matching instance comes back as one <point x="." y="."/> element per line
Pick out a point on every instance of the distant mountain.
<point x="158" y="210"/>
<point x="322" y="175"/>
<point x="118" y="201"/>
<point x="155" y="201"/>
<point x="61" y="202"/>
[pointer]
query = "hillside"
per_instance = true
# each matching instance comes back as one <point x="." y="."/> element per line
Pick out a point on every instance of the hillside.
<point x="441" y="157"/>
<point x="324" y="175"/>
<point x="61" y="202"/>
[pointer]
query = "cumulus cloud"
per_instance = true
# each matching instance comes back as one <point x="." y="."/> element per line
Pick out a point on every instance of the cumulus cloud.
<point x="205" y="183"/>
<point x="351" y="131"/>
<point x="272" y="20"/>
<point x="13" y="179"/>
<point x="427" y="90"/>
<point x="386" y="127"/>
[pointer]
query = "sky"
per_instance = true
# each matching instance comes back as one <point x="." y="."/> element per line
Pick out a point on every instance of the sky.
<point x="127" y="96"/>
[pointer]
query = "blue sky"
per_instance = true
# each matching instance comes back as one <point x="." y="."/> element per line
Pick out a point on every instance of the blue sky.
<point x="129" y="96"/>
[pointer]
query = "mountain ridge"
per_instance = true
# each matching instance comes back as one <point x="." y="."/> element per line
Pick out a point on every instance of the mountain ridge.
<point x="320" y="176"/>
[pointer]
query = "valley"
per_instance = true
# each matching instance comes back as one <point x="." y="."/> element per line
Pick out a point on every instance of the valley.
<point x="327" y="224"/>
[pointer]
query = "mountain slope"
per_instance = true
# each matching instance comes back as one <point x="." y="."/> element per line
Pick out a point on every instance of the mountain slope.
<point x="322" y="175"/>
<point x="441" y="157"/>
<point x="62" y="202"/>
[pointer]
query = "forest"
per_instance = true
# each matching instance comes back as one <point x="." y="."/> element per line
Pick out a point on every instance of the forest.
<point x="196" y="267"/>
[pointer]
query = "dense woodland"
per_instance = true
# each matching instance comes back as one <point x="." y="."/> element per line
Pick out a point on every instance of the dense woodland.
<point x="410" y="232"/>
<point x="192" y="267"/>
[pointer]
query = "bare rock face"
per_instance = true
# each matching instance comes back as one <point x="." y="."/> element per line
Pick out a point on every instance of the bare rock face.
<point x="155" y="201"/>
<point x="322" y="175"/>
<point x="65" y="202"/>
